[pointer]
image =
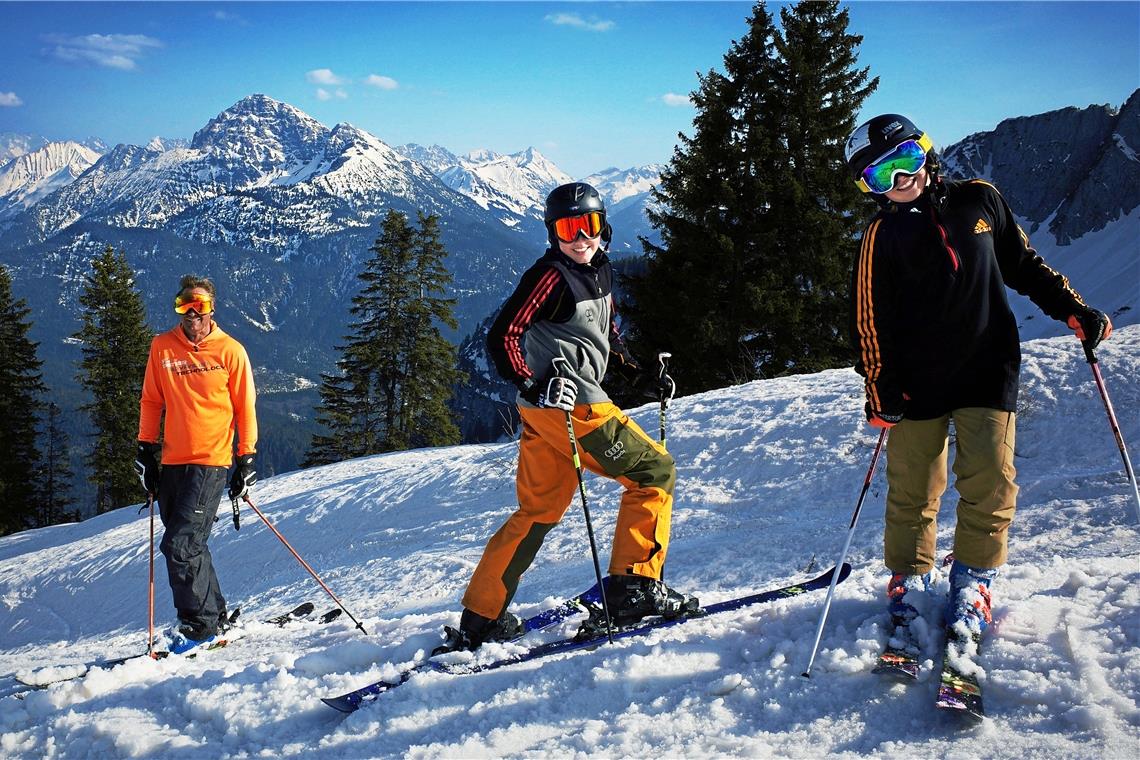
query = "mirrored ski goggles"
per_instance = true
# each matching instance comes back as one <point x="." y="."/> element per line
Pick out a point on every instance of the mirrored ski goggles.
<point x="590" y="224"/>
<point x="905" y="158"/>
<point x="199" y="303"/>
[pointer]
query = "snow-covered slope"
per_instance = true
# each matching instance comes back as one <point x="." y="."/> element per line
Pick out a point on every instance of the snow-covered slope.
<point x="28" y="178"/>
<point x="768" y="476"/>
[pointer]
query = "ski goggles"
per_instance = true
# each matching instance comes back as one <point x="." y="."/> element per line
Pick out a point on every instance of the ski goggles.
<point x="199" y="303"/>
<point x="905" y="158"/>
<point x="590" y="224"/>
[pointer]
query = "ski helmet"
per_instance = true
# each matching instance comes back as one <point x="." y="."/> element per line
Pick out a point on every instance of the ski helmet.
<point x="573" y="199"/>
<point x="875" y="138"/>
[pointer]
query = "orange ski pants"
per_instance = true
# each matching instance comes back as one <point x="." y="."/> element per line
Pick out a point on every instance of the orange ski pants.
<point x="609" y="444"/>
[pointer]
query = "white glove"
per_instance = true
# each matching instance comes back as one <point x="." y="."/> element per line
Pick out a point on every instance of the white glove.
<point x="560" y="394"/>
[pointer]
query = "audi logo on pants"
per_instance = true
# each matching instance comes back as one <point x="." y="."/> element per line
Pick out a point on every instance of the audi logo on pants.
<point x="614" y="452"/>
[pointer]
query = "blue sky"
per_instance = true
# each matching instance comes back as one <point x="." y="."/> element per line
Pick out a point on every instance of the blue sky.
<point x="590" y="85"/>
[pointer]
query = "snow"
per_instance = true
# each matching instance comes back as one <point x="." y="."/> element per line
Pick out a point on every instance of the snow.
<point x="768" y="475"/>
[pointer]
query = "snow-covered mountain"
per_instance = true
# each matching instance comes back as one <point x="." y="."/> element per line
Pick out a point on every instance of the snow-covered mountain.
<point x="768" y="475"/>
<point x="1073" y="178"/>
<point x="513" y="187"/>
<point x="627" y="194"/>
<point x="14" y="144"/>
<point x="30" y="177"/>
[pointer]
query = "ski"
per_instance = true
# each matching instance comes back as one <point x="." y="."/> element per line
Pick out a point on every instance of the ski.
<point x="299" y="612"/>
<point x="959" y="689"/>
<point x="899" y="658"/>
<point x="352" y="701"/>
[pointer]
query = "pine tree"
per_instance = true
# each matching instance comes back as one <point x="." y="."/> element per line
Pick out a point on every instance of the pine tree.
<point x="431" y="371"/>
<point x="55" y="502"/>
<point x="712" y="201"/>
<point x="821" y="208"/>
<point x="116" y="341"/>
<point x="21" y="390"/>
<point x="396" y="371"/>
<point x="755" y="210"/>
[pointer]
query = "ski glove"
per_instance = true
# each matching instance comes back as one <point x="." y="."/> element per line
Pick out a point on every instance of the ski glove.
<point x="146" y="465"/>
<point x="243" y="477"/>
<point x="560" y="394"/>
<point x="881" y="419"/>
<point x="1091" y="326"/>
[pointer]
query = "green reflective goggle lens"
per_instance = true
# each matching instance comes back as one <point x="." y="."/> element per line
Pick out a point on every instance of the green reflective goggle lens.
<point x="905" y="158"/>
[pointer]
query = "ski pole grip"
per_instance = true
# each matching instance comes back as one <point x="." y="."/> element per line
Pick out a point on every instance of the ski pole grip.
<point x="559" y="360"/>
<point x="1090" y="357"/>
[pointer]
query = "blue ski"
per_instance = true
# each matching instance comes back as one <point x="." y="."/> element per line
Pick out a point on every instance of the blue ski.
<point x="352" y="701"/>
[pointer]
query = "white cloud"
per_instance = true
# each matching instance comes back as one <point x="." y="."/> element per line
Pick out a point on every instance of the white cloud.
<point x="10" y="99"/>
<point x="323" y="94"/>
<point x="675" y="100"/>
<point x="324" y="76"/>
<point x="114" y="51"/>
<point x="229" y="18"/>
<point x="573" y="19"/>
<point x="383" y="83"/>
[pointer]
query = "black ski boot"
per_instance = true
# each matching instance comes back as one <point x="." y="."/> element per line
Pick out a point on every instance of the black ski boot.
<point x="633" y="597"/>
<point x="475" y="629"/>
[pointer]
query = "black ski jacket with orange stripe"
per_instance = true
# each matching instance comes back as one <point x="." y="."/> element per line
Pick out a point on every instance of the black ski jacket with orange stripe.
<point x="930" y="320"/>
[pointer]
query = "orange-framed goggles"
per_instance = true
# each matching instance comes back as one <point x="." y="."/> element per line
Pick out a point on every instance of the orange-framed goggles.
<point x="199" y="303"/>
<point x="589" y="224"/>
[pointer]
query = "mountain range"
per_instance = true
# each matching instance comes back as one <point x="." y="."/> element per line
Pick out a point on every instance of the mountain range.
<point x="280" y="210"/>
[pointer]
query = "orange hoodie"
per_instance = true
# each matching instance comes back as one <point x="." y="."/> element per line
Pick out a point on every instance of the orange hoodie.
<point x="206" y="390"/>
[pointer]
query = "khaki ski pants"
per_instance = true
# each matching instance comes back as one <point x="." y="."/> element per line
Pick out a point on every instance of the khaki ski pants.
<point x="916" y="480"/>
<point x="609" y="444"/>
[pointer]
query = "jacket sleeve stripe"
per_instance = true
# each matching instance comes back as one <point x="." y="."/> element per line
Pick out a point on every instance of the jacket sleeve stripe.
<point x="522" y="320"/>
<point x="868" y="338"/>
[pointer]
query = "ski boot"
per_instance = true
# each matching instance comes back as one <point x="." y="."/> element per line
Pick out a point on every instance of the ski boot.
<point x="187" y="637"/>
<point x="475" y="629"/>
<point x="968" y="605"/>
<point x="630" y="598"/>
<point x="901" y="586"/>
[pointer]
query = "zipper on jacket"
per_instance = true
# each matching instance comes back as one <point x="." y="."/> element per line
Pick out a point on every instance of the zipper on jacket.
<point x="945" y="240"/>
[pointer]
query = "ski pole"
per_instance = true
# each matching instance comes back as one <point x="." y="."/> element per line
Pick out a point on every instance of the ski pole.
<point x="843" y="554"/>
<point x="1092" y="360"/>
<point x="150" y="593"/>
<point x="304" y="564"/>
<point x="586" y="512"/>
<point x="663" y="360"/>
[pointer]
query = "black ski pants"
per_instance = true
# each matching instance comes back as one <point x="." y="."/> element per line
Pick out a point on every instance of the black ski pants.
<point x="188" y="497"/>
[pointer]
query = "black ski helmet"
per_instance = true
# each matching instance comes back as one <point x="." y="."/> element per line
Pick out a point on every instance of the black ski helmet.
<point x="872" y="139"/>
<point x="573" y="199"/>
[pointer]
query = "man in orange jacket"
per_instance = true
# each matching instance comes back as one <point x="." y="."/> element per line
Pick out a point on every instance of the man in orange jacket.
<point x="201" y="378"/>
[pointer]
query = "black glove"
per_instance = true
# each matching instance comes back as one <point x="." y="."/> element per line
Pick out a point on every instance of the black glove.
<point x="146" y="465"/>
<point x="1091" y="326"/>
<point x="653" y="387"/>
<point x="243" y="477"/>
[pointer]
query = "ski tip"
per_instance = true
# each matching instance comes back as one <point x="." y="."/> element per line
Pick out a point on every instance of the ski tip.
<point x="340" y="704"/>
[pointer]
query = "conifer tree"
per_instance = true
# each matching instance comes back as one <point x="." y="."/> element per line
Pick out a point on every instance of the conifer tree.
<point x="821" y="207"/>
<point x="21" y="391"/>
<point x="116" y="341"/>
<point x="751" y="278"/>
<point x="55" y="502"/>
<point x="431" y="372"/>
<point x="707" y="293"/>
<point x="396" y="371"/>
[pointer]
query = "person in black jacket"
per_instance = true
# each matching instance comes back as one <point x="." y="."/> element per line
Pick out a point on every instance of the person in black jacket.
<point x="937" y="341"/>
<point x="564" y="307"/>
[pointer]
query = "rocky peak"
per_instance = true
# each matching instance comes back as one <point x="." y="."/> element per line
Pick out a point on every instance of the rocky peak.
<point x="262" y="132"/>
